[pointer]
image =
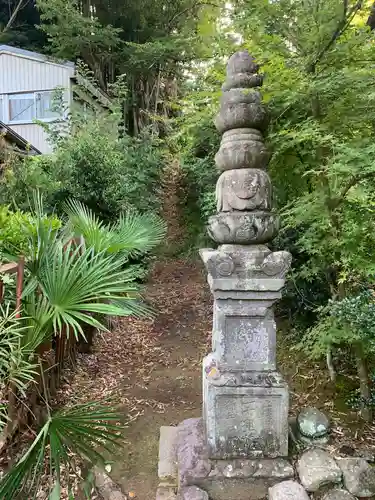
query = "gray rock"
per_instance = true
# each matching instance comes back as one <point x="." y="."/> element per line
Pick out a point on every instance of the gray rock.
<point x="192" y="493"/>
<point x="338" y="494"/>
<point x="316" y="468"/>
<point x="368" y="455"/>
<point x="192" y="452"/>
<point x="107" y="488"/>
<point x="359" y="476"/>
<point x="312" y="423"/>
<point x="287" y="490"/>
<point x="166" y="493"/>
<point x="167" y="468"/>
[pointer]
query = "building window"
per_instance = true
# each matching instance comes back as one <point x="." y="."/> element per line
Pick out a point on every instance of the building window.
<point x="21" y="108"/>
<point x="48" y="105"/>
<point x="27" y="107"/>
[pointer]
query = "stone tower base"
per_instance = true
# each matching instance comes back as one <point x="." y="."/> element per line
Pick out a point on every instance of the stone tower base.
<point x="186" y="472"/>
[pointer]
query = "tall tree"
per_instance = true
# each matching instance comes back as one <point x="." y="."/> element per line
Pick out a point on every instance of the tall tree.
<point x="145" y="42"/>
<point x="18" y="21"/>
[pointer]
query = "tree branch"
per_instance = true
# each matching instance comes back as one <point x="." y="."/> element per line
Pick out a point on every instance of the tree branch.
<point x="13" y="16"/>
<point x="198" y="3"/>
<point x="371" y="18"/>
<point x="341" y="28"/>
<point x="351" y="183"/>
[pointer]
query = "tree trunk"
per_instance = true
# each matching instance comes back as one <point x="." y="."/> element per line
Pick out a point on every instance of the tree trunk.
<point x="371" y="18"/>
<point x="362" y="371"/>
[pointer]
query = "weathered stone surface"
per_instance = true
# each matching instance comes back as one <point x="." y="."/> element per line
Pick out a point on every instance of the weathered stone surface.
<point x="316" y="468"/>
<point x="368" y="455"/>
<point x="244" y="228"/>
<point x="277" y="468"/>
<point x="166" y="493"/>
<point x="242" y="148"/>
<point x="244" y="189"/>
<point x="245" y="479"/>
<point x="192" y="493"/>
<point x="359" y="476"/>
<point x="287" y="490"/>
<point x="338" y="494"/>
<point x="244" y="337"/>
<point x="246" y="421"/>
<point x="107" y="488"/>
<point x="313" y="423"/>
<point x="241" y="115"/>
<point x="240" y="96"/>
<point x="241" y="62"/>
<point x="245" y="263"/>
<point x="192" y="452"/>
<point x="167" y="468"/>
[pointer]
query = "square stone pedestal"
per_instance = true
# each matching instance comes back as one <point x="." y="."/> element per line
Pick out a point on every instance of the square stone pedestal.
<point x="185" y="449"/>
<point x="247" y="421"/>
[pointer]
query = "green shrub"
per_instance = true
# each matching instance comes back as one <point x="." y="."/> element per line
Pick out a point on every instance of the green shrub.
<point x="95" y="165"/>
<point x="16" y="228"/>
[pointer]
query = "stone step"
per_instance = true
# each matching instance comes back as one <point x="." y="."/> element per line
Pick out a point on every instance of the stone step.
<point x="166" y="493"/>
<point x="167" y="468"/>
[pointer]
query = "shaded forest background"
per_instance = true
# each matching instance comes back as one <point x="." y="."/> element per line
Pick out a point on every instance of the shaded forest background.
<point x="162" y="64"/>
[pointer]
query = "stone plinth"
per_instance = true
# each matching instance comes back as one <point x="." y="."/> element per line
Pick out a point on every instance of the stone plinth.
<point x="245" y="400"/>
<point x="243" y="479"/>
<point x="246" y="421"/>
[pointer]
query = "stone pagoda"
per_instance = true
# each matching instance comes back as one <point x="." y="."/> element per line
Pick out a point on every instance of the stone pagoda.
<point x="243" y="436"/>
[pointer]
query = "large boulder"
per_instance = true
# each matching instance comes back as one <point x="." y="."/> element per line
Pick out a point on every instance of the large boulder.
<point x="287" y="490"/>
<point x="359" y="477"/>
<point x="316" y="468"/>
<point x="338" y="494"/>
<point x="192" y="493"/>
<point x="312" y="423"/>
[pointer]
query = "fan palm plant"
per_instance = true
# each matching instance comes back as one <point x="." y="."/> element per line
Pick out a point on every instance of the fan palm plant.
<point x="69" y="285"/>
<point x="65" y="434"/>
<point x="132" y="235"/>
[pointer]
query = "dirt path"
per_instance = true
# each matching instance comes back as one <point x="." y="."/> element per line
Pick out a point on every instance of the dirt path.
<point x="152" y="368"/>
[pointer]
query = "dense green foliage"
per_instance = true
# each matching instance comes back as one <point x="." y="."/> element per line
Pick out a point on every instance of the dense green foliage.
<point x="92" y="164"/>
<point x="318" y="63"/>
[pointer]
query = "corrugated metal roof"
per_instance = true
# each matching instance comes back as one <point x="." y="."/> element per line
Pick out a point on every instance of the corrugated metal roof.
<point x="8" y="49"/>
<point x="18" y="140"/>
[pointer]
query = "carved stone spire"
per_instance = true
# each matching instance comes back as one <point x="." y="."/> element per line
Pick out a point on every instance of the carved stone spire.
<point x="245" y="400"/>
<point x="244" y="188"/>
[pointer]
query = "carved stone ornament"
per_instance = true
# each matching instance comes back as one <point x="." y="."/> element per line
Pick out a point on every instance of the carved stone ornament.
<point x="242" y="148"/>
<point x="243" y="228"/>
<point x="277" y="264"/>
<point x="245" y="189"/>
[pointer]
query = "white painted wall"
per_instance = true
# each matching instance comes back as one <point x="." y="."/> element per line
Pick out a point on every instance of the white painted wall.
<point x="23" y="71"/>
<point x="18" y="74"/>
<point x="35" y="135"/>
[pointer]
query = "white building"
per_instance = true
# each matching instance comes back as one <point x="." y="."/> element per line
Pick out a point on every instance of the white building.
<point x="28" y="87"/>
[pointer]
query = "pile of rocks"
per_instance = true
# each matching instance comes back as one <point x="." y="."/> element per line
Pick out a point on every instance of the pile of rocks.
<point x="327" y="478"/>
<point x="315" y="475"/>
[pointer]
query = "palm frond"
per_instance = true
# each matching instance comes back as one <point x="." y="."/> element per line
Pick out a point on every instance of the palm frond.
<point x="133" y="234"/>
<point x="75" y="282"/>
<point x="80" y="430"/>
<point x="139" y="233"/>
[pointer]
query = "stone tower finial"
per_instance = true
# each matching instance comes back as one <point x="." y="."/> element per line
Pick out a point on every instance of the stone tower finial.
<point x="244" y="189"/>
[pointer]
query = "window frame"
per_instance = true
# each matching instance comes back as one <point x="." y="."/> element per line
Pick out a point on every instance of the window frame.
<point x="5" y="103"/>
